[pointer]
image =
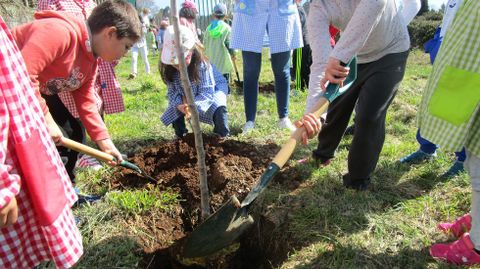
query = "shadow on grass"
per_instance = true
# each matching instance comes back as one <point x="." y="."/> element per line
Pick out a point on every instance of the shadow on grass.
<point x="113" y="252"/>
<point x="326" y="209"/>
<point x="348" y="257"/>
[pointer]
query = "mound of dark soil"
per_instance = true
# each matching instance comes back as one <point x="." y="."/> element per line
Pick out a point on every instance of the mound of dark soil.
<point x="233" y="168"/>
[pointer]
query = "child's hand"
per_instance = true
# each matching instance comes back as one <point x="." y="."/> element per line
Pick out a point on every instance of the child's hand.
<point x="312" y="126"/>
<point x="53" y="129"/>
<point x="9" y="213"/>
<point x="184" y="109"/>
<point x="334" y="73"/>
<point x="107" y="146"/>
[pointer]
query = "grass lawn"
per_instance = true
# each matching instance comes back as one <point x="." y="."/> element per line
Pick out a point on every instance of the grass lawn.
<point x="390" y="226"/>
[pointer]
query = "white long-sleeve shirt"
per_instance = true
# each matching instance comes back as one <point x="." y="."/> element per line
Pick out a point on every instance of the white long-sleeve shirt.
<point x="448" y="16"/>
<point x="408" y="9"/>
<point x="370" y="29"/>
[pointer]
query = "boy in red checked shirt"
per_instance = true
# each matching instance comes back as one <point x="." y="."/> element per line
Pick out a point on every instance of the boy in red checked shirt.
<point x="107" y="88"/>
<point x="61" y="53"/>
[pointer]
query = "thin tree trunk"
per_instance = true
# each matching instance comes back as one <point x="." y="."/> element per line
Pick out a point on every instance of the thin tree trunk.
<point x="202" y="168"/>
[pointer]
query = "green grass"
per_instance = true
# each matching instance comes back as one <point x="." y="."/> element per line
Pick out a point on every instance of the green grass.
<point x="391" y="226"/>
<point x="137" y="202"/>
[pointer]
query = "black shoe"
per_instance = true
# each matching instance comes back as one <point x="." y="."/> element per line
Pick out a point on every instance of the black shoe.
<point x="357" y="184"/>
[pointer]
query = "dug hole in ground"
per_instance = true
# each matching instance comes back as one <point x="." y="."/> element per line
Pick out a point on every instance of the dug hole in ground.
<point x="233" y="169"/>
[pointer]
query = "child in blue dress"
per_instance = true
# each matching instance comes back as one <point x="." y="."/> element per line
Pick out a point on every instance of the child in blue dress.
<point x="209" y="87"/>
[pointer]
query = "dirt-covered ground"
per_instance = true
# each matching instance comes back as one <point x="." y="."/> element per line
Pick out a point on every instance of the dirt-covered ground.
<point x="233" y="169"/>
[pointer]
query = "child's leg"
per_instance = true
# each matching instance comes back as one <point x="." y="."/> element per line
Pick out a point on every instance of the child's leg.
<point x="425" y="145"/>
<point x="281" y="71"/>
<point x="472" y="164"/>
<point x="134" y="60"/>
<point x="252" y="63"/>
<point x="461" y="155"/>
<point x="144" y="54"/>
<point x="179" y="127"/>
<point x="71" y="128"/>
<point x="227" y="77"/>
<point x="220" y="121"/>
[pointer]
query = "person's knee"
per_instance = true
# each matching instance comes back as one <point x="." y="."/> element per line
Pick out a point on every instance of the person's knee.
<point x="368" y="120"/>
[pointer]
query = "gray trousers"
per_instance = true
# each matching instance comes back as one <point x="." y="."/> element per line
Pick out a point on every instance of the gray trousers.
<point x="472" y="164"/>
<point x="373" y="91"/>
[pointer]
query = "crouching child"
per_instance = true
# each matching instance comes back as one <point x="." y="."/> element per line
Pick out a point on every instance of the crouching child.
<point x="209" y="87"/>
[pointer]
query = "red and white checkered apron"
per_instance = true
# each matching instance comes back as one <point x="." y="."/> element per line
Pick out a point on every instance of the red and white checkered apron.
<point x="25" y="244"/>
<point x="108" y="91"/>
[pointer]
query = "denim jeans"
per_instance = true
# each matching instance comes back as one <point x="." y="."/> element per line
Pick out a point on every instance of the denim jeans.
<point x="430" y="148"/>
<point x="252" y="62"/>
<point x="220" y="123"/>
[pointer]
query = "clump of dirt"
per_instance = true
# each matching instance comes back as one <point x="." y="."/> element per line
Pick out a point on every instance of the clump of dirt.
<point x="266" y="87"/>
<point x="263" y="87"/>
<point x="233" y="168"/>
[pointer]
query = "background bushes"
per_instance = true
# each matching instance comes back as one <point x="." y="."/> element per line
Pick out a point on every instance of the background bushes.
<point x="423" y="27"/>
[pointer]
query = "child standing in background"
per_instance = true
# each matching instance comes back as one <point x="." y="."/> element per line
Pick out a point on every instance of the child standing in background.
<point x="209" y="87"/>
<point x="141" y="46"/>
<point x="161" y="32"/>
<point x="151" y="45"/>
<point x="188" y="14"/>
<point x="217" y="42"/>
<point x="428" y="150"/>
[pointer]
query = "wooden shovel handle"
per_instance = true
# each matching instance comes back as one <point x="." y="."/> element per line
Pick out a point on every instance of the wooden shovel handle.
<point x="73" y="145"/>
<point x="288" y="147"/>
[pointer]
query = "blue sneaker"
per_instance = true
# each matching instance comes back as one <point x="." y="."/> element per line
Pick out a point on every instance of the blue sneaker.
<point x="455" y="170"/>
<point x="417" y="157"/>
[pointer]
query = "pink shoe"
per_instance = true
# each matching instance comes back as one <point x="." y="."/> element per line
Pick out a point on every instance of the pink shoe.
<point x="460" y="252"/>
<point x="460" y="226"/>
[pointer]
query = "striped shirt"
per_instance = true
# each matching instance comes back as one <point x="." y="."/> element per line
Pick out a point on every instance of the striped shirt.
<point x="209" y="94"/>
<point x="450" y="111"/>
<point x="278" y="18"/>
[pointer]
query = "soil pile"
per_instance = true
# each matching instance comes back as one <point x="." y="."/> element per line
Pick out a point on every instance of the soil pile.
<point x="233" y="168"/>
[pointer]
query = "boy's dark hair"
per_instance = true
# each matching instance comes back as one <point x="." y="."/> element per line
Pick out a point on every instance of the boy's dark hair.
<point x="188" y="13"/>
<point x="219" y="17"/>
<point x="168" y="72"/>
<point x="119" y="14"/>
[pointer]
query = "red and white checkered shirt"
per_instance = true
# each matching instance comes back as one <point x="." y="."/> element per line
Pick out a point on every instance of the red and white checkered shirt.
<point x="26" y="243"/>
<point x="108" y="91"/>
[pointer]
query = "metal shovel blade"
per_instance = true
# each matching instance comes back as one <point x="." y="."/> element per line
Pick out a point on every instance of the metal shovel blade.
<point x="219" y="230"/>
<point x="223" y="227"/>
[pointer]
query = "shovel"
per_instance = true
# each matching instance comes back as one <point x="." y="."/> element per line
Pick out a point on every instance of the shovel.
<point x="224" y="226"/>
<point x="238" y="82"/>
<point x="100" y="155"/>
